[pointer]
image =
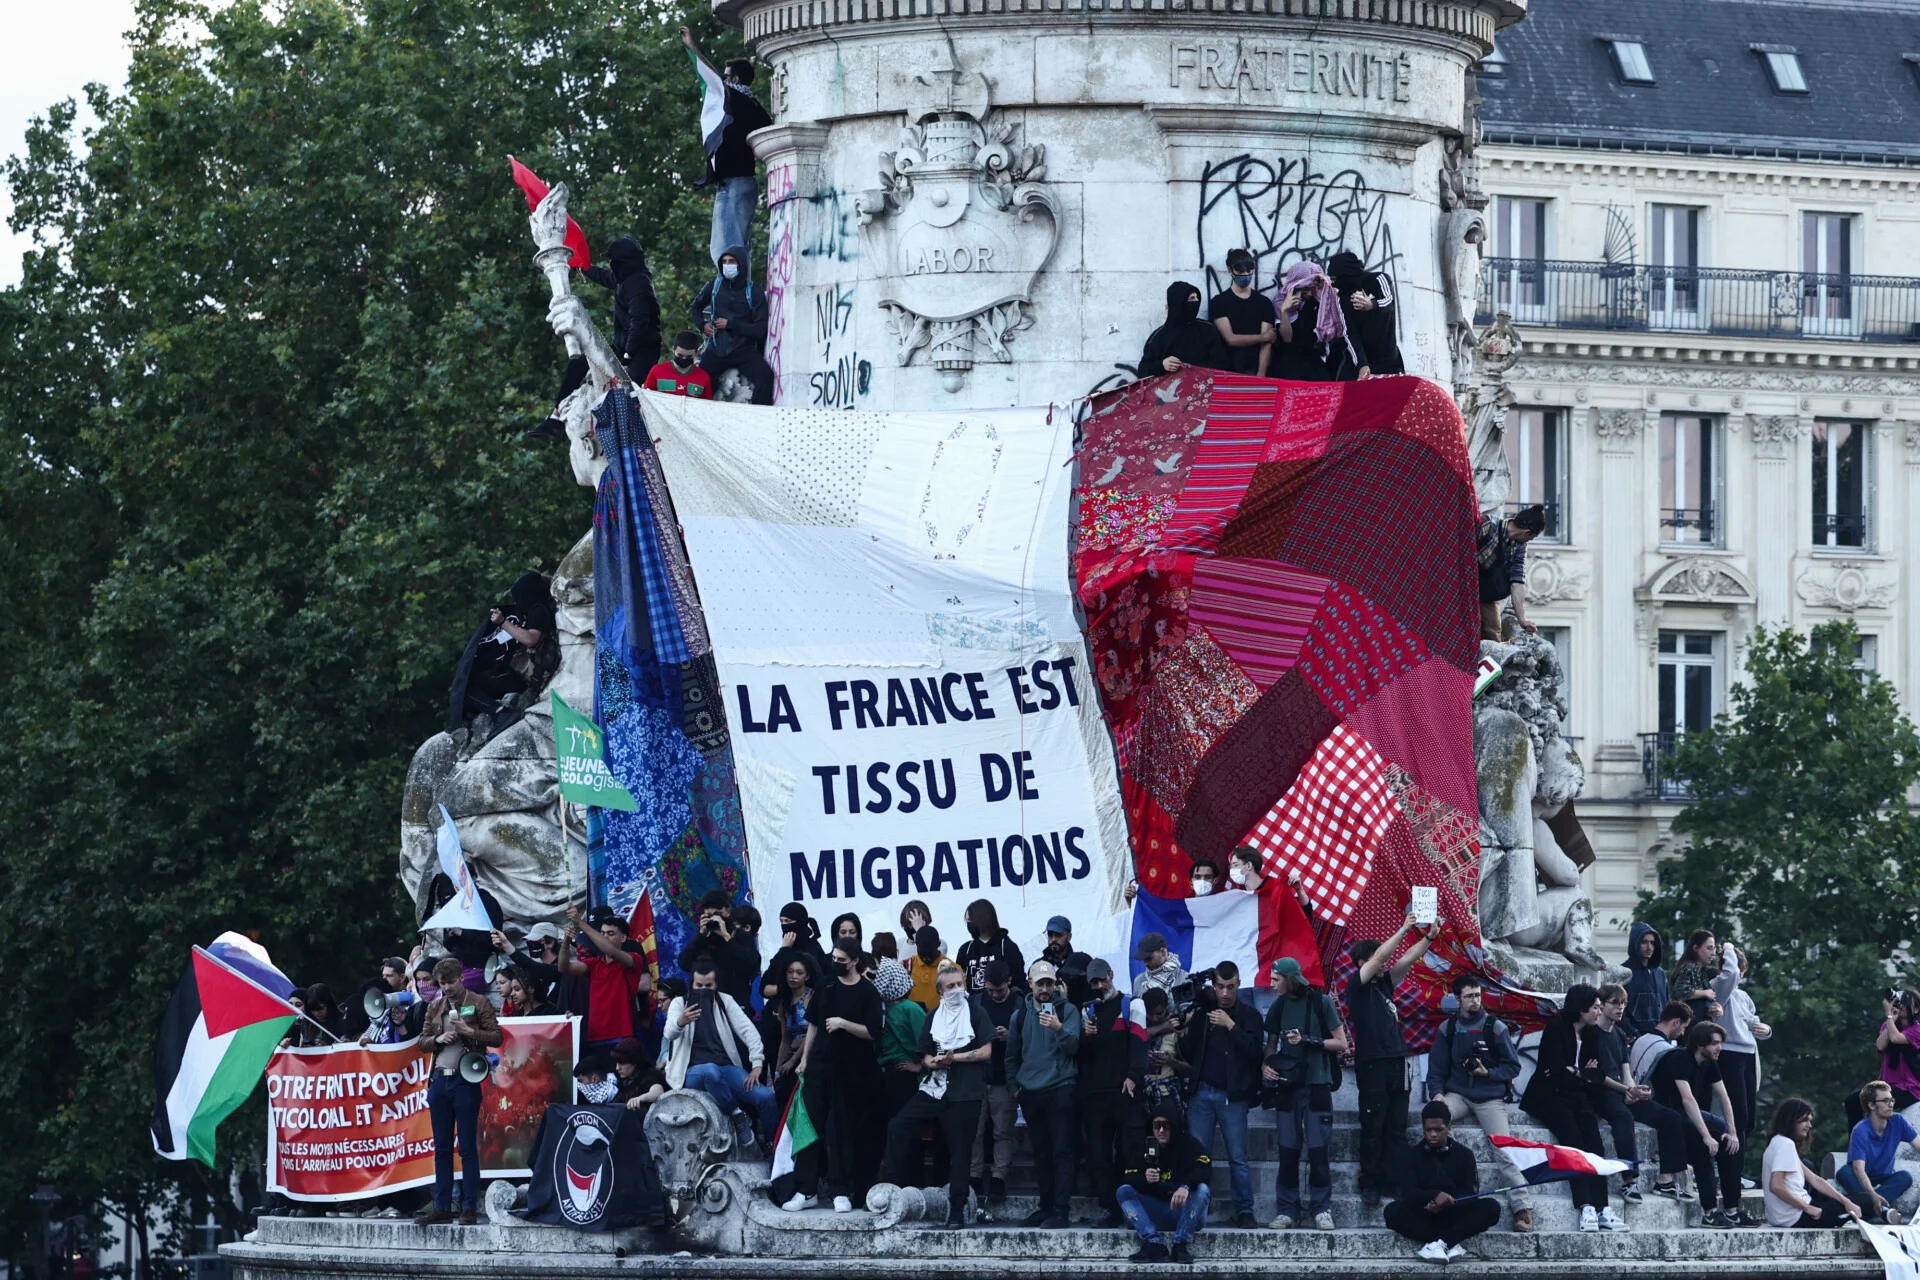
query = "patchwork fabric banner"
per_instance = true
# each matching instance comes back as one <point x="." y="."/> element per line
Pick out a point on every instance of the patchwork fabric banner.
<point x="906" y="686"/>
<point x="1282" y="608"/>
<point x="655" y="696"/>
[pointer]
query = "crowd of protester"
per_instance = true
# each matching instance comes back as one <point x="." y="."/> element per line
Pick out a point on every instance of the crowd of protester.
<point x="918" y="1068"/>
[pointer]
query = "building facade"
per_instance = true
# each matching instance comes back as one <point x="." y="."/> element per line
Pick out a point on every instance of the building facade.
<point x="1705" y="221"/>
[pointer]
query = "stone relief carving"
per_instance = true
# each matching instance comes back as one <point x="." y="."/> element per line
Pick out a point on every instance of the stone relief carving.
<point x="1637" y="373"/>
<point x="963" y="224"/>
<point x="1773" y="434"/>
<point x="1700" y="580"/>
<point x="1553" y="577"/>
<point x="1911" y="431"/>
<point x="1616" y="428"/>
<point x="1463" y="237"/>
<point x="1845" y="586"/>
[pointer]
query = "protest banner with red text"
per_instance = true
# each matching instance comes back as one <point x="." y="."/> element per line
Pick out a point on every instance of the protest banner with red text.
<point x="349" y="1121"/>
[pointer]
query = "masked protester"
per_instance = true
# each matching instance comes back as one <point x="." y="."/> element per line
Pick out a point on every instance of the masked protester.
<point x="841" y="1083"/>
<point x="636" y="322"/>
<point x="1185" y="339"/>
<point x="1314" y="344"/>
<point x="1366" y="303"/>
<point x="954" y="1049"/>
<point x="923" y="967"/>
<point x="732" y="312"/>
<point x="1243" y="318"/>
<point x="1112" y="1065"/>
<point x="680" y="374"/>
<point x="1166" y="1192"/>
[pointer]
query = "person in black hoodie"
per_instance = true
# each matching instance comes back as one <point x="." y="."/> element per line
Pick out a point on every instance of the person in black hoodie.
<point x="1557" y="1098"/>
<point x="799" y="940"/>
<point x="1440" y="1205"/>
<point x="1185" y="339"/>
<point x="1366" y="300"/>
<point x="735" y="954"/>
<point x="1113" y="1062"/>
<point x="986" y="942"/>
<point x="636" y="324"/>
<point x="1166" y="1189"/>
<point x="732" y="312"/>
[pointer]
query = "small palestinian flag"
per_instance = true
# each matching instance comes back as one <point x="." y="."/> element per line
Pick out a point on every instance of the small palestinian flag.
<point x="225" y="1019"/>
<point x="1544" y="1162"/>
<point x="713" y="106"/>
<point x="796" y="1131"/>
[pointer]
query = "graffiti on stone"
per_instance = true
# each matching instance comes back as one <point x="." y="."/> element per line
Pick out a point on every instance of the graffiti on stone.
<point x="1283" y="211"/>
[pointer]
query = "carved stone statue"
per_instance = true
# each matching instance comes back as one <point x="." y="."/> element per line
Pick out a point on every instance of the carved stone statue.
<point x="1535" y="918"/>
<point x="963" y="223"/>
<point x="1485" y="406"/>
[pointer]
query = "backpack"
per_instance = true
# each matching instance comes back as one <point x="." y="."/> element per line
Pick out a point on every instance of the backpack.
<point x="1505" y="1030"/>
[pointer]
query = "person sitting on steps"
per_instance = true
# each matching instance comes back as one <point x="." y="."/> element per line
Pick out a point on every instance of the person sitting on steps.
<point x="1166" y="1189"/>
<point x="732" y="312"/>
<point x="1440" y="1205"/>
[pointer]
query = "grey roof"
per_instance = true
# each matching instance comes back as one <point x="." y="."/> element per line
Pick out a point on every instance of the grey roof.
<point x="1713" y="94"/>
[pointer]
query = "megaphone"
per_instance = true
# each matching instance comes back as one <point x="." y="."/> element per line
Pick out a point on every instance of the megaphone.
<point x="495" y="963"/>
<point x="475" y="1066"/>
<point x="376" y="1002"/>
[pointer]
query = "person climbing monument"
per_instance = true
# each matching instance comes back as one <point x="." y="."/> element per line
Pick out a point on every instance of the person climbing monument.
<point x="732" y="312"/>
<point x="729" y="114"/>
<point x="1500" y="554"/>
<point x="636" y="324"/>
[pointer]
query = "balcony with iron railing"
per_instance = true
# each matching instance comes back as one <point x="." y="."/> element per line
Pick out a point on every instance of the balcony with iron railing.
<point x="1544" y="293"/>
<point x="1656" y="767"/>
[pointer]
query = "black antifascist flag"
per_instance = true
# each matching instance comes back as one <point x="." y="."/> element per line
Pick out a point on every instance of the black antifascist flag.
<point x="593" y="1171"/>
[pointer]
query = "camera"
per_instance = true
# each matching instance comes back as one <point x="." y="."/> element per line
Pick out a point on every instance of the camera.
<point x="1890" y="995"/>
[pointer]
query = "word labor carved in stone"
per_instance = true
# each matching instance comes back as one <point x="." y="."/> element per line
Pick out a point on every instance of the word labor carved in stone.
<point x="1278" y="68"/>
<point x="938" y="260"/>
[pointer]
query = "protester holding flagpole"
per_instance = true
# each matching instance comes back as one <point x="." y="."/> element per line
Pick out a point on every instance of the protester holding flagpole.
<point x="728" y="114"/>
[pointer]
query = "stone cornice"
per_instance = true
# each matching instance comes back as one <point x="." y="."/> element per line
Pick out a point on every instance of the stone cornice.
<point x="1751" y="359"/>
<point x="1749" y="173"/>
<point x="1467" y="22"/>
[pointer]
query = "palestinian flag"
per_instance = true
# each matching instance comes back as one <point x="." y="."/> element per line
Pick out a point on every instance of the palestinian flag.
<point x="796" y="1131"/>
<point x="1544" y="1162"/>
<point x="225" y="1019"/>
<point x="713" y="106"/>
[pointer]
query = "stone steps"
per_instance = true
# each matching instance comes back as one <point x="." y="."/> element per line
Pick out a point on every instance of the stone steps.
<point x="1552" y="1207"/>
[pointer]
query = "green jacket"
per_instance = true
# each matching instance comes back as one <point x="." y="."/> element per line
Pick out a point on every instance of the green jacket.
<point x="900" y="1033"/>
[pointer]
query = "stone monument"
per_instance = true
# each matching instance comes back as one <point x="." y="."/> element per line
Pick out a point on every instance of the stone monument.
<point x="983" y="204"/>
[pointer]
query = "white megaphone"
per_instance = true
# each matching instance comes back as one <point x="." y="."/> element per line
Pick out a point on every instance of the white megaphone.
<point x="495" y="963"/>
<point x="377" y="1003"/>
<point x="476" y="1066"/>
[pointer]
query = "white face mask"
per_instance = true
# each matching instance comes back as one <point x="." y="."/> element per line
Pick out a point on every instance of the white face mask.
<point x="1201" y="888"/>
<point x="600" y="1091"/>
<point x="954" y="999"/>
<point x="1238" y="875"/>
<point x="730" y="271"/>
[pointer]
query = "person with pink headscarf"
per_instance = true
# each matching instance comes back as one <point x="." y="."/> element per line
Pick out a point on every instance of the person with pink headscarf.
<point x="1314" y="343"/>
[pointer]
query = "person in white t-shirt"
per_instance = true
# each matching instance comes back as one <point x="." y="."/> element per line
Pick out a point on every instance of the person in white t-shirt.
<point x="1794" y="1195"/>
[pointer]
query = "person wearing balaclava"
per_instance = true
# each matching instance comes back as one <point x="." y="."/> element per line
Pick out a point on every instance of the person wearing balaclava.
<point x="1314" y="344"/>
<point x="513" y="647"/>
<point x="1366" y="302"/>
<point x="636" y="324"/>
<point x="732" y="312"/>
<point x="799" y="940"/>
<point x="1185" y="339"/>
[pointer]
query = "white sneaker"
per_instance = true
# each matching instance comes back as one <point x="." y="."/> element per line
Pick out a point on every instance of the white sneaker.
<point x="1589" y="1219"/>
<point x="1281" y="1223"/>
<point x="842" y="1205"/>
<point x="1609" y="1220"/>
<point x="799" y="1202"/>
<point x="1456" y="1253"/>
<point x="1323" y="1222"/>
<point x="1434" y="1251"/>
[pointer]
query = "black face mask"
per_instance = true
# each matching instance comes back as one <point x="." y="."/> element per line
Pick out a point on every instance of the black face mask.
<point x="838" y="968"/>
<point x="679" y="363"/>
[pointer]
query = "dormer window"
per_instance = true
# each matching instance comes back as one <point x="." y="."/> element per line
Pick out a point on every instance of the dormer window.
<point x="1783" y="67"/>
<point x="1495" y="63"/>
<point x="1630" y="59"/>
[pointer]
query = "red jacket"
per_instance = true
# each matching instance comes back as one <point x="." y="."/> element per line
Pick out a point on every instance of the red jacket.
<point x="694" y="382"/>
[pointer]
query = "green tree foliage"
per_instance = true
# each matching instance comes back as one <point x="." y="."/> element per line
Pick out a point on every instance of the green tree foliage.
<point x="261" y="396"/>
<point x="1798" y="847"/>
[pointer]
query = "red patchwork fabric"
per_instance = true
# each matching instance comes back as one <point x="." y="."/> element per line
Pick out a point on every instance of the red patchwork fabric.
<point x="1355" y="651"/>
<point x="1330" y="822"/>
<point x="1255" y="610"/>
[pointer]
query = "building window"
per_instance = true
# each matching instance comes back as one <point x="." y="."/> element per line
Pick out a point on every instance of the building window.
<point x="1826" y="265"/>
<point x="1673" y="277"/>
<point x="1630" y="61"/>
<point x="1783" y="68"/>
<point x="1840" y="490"/>
<point x="1690" y="480"/>
<point x="1536" y="448"/>
<point x="1520" y="241"/>
<point x="1495" y="63"/>
<point x="1689" y="681"/>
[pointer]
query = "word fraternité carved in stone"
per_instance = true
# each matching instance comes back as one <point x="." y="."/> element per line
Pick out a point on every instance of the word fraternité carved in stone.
<point x="1264" y="67"/>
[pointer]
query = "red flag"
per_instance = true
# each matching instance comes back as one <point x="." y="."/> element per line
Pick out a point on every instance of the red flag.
<point x="640" y="929"/>
<point x="536" y="191"/>
<point x="1286" y="931"/>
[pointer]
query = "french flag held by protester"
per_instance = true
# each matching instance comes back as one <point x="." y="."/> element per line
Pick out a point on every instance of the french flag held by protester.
<point x="1544" y="1162"/>
<point x="1251" y="929"/>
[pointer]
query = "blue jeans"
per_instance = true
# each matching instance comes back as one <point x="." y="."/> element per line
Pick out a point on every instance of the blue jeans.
<point x="1150" y="1215"/>
<point x="733" y="202"/>
<point x="727" y="1085"/>
<point x="453" y="1102"/>
<point x="1890" y="1188"/>
<point x="1211" y="1106"/>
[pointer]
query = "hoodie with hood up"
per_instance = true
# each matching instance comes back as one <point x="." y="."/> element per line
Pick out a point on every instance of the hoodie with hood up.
<point x="1646" y="981"/>
<point x="1373" y="330"/>
<point x="1184" y="336"/>
<point x="740" y="302"/>
<point x="636" y="311"/>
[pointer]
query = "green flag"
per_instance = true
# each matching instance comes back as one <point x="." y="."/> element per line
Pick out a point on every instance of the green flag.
<point x="583" y="767"/>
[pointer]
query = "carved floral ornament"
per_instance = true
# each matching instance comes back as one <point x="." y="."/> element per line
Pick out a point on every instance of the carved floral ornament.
<point x="1616" y="428"/>
<point x="1553" y="577"/>
<point x="963" y="223"/>
<point x="1773" y="434"/>
<point x="1699" y="580"/>
<point x="1846" y="586"/>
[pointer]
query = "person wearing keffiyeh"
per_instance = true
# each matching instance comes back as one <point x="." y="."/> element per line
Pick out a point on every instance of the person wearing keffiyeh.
<point x="1314" y="343"/>
<point x="954" y="1048"/>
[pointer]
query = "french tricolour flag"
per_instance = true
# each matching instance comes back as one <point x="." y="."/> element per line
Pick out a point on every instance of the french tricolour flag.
<point x="1544" y="1162"/>
<point x="1250" y="929"/>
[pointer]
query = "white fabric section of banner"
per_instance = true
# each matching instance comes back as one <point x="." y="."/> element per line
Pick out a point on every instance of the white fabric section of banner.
<point x="1898" y="1247"/>
<point x="908" y="691"/>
